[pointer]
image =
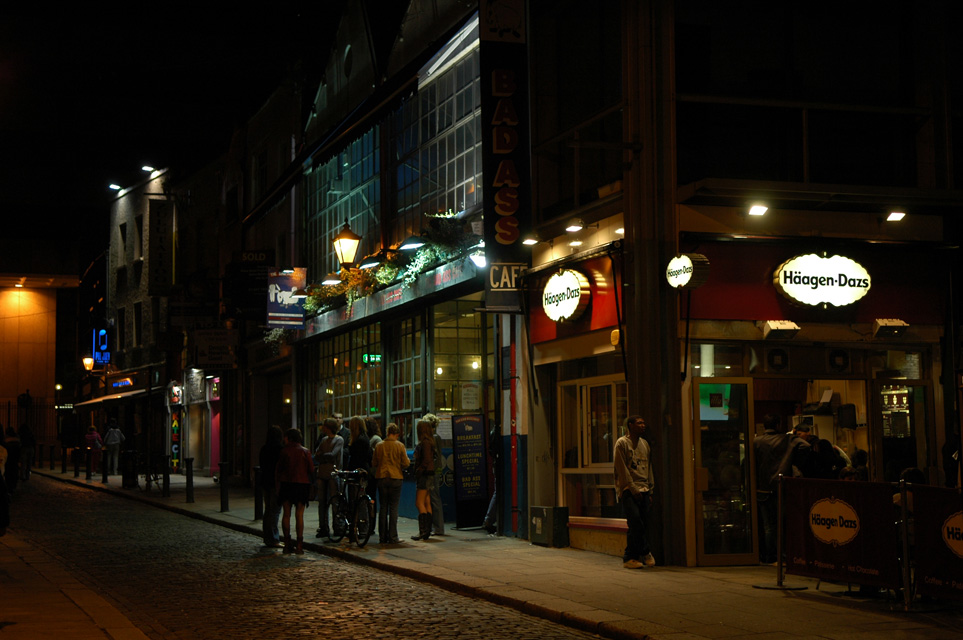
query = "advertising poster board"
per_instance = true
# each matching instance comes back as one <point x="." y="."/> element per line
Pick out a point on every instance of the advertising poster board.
<point x="471" y="477"/>
<point x="842" y="531"/>
<point x="938" y="541"/>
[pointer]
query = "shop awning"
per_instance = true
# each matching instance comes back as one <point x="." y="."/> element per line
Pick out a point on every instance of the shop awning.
<point x="117" y="396"/>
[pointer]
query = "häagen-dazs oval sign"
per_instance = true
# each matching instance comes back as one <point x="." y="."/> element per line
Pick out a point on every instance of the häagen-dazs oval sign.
<point x="953" y="533"/>
<point x="814" y="280"/>
<point x="833" y="521"/>
<point x="565" y="296"/>
<point x="687" y="271"/>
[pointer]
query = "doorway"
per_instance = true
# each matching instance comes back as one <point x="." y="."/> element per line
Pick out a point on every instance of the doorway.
<point x="722" y="439"/>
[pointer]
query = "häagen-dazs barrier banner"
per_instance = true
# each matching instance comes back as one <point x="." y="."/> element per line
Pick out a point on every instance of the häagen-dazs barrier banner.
<point x="937" y="541"/>
<point x="842" y="531"/>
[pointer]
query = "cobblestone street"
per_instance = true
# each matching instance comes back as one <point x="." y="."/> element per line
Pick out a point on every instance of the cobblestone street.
<point x="177" y="577"/>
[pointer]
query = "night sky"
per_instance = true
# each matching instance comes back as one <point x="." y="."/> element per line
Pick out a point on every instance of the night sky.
<point x="87" y="99"/>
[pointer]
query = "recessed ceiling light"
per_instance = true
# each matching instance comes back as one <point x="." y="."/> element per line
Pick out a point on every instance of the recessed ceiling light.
<point x="575" y="225"/>
<point x="575" y="243"/>
<point x="895" y="216"/>
<point x="758" y="210"/>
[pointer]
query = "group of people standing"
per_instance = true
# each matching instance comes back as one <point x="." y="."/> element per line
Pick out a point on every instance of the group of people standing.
<point x="289" y="471"/>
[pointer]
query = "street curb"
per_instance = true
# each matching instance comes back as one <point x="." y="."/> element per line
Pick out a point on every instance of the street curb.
<point x="571" y="620"/>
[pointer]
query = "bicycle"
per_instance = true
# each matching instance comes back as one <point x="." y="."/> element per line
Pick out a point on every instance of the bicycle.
<point x="351" y="516"/>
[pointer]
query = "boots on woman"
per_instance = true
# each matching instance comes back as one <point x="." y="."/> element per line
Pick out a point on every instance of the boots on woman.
<point x="424" y="527"/>
<point x="300" y="548"/>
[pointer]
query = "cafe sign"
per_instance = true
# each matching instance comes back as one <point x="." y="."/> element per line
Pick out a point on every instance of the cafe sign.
<point x="815" y="280"/>
<point x="833" y="521"/>
<point x="565" y="296"/>
<point x="687" y="271"/>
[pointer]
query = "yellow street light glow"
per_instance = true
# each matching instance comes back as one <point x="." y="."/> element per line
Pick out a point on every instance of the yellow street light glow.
<point x="758" y="210"/>
<point x="895" y="216"/>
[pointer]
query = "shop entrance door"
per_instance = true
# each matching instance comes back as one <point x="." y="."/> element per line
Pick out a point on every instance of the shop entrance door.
<point x="902" y="438"/>
<point x="722" y="435"/>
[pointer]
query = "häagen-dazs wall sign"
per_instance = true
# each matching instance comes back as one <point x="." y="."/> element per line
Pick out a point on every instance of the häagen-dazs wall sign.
<point x="565" y="296"/>
<point x="814" y="280"/>
<point x="687" y="271"/>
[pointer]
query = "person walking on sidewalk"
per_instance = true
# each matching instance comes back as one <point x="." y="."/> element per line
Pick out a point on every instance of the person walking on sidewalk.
<point x="389" y="461"/>
<point x="634" y="484"/>
<point x="328" y="455"/>
<point x="268" y="461"/>
<point x="424" y="478"/>
<point x="112" y="441"/>
<point x="28" y="446"/>
<point x="295" y="473"/>
<point x="434" y="490"/>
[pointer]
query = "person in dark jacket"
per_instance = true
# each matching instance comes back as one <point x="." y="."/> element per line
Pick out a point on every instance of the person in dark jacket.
<point x="268" y="461"/>
<point x="776" y="454"/>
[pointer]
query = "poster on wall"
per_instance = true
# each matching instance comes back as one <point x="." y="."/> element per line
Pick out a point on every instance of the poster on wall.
<point x="471" y="475"/>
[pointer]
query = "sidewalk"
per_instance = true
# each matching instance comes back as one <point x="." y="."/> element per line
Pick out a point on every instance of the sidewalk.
<point x="587" y="590"/>
<point x="32" y="584"/>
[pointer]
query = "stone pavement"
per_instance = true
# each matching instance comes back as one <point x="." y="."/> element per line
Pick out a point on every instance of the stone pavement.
<point x="587" y="590"/>
<point x="33" y="585"/>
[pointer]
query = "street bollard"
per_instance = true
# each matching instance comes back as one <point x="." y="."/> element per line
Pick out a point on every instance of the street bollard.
<point x="225" y="468"/>
<point x="166" y="487"/>
<point x="189" y="472"/>
<point x="88" y="460"/>
<point x="258" y="495"/>
<point x="53" y="450"/>
<point x="63" y="460"/>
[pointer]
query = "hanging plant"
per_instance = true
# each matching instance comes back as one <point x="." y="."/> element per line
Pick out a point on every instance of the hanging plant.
<point x="277" y="337"/>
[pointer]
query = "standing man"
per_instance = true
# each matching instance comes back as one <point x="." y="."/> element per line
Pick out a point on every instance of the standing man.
<point x="342" y="430"/>
<point x="434" y="491"/>
<point x="776" y="453"/>
<point x="633" y="486"/>
<point x="112" y="441"/>
<point x="328" y="456"/>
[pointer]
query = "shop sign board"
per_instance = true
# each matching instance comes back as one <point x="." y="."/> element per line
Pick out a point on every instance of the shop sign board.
<point x="687" y="271"/>
<point x="469" y="442"/>
<point x="841" y="531"/>
<point x="815" y="280"/>
<point x="938" y="551"/>
<point x="565" y="295"/>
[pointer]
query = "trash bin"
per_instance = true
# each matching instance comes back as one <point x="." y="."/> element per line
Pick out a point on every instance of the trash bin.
<point x="549" y="526"/>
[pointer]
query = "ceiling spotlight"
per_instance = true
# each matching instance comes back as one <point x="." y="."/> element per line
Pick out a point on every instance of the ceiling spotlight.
<point x="371" y="261"/>
<point x="895" y="216"/>
<point x="147" y="168"/>
<point x="530" y="240"/>
<point x="758" y="210"/>
<point x="114" y="186"/>
<point x="575" y="225"/>
<point x="575" y="243"/>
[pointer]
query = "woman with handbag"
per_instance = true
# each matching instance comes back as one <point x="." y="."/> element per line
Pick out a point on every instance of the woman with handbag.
<point x="424" y="477"/>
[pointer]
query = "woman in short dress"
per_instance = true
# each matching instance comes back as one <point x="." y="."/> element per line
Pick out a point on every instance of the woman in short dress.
<point x="424" y="470"/>
<point x="295" y="471"/>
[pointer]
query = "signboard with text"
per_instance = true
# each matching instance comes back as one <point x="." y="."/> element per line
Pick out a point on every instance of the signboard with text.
<point x="284" y="309"/>
<point x="814" y="280"/>
<point x="505" y="149"/>
<point x="471" y="475"/>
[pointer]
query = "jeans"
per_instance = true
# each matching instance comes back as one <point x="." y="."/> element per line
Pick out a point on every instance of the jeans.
<point x="272" y="512"/>
<point x="390" y="490"/>
<point x="768" y="514"/>
<point x="327" y="487"/>
<point x="437" y="511"/>
<point x="636" y="511"/>
<point x="113" y="455"/>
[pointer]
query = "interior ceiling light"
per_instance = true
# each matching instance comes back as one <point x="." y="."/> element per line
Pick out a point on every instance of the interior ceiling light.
<point x="575" y="225"/>
<point x="758" y="210"/>
<point x="575" y="243"/>
<point x="895" y="216"/>
<point x="620" y="231"/>
<point x="530" y="239"/>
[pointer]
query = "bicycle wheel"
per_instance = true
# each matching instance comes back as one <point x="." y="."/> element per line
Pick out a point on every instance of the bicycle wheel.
<point x="361" y="525"/>
<point x="339" y="522"/>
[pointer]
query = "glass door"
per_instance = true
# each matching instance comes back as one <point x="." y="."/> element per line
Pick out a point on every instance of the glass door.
<point x="725" y="517"/>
